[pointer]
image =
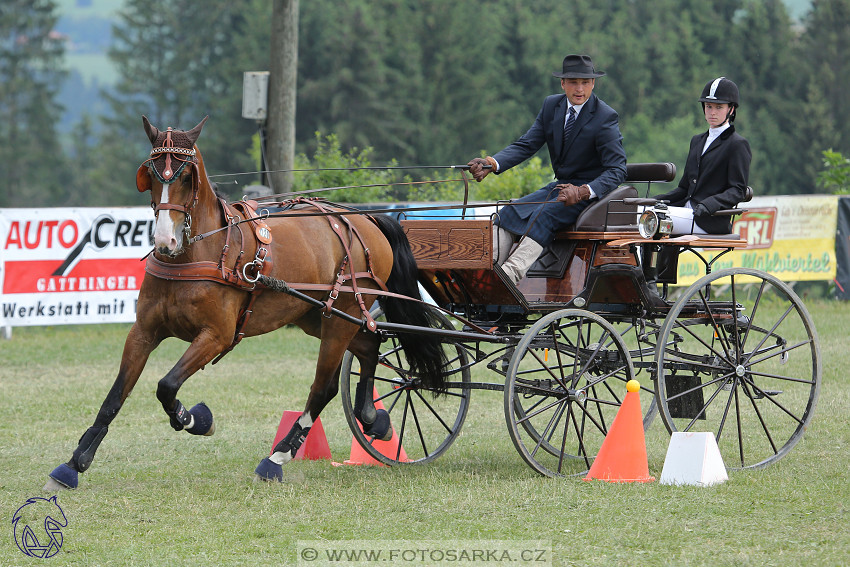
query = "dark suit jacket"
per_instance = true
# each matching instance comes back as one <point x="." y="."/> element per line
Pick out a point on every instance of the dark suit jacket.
<point x="594" y="153"/>
<point x="717" y="178"/>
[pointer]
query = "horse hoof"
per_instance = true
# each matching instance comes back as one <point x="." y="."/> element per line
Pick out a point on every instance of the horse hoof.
<point x="203" y="417"/>
<point x="62" y="477"/>
<point x="269" y="470"/>
<point x="381" y="429"/>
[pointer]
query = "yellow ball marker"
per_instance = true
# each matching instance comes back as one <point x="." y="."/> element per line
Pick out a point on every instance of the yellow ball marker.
<point x="632" y="386"/>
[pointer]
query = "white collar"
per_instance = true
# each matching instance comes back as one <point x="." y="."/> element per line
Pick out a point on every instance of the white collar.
<point x="714" y="132"/>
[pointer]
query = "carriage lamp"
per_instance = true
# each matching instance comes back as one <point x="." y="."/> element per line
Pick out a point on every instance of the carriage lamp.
<point x="655" y="223"/>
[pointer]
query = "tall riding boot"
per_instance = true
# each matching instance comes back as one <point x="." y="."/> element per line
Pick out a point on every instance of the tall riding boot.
<point x="503" y="241"/>
<point x="522" y="258"/>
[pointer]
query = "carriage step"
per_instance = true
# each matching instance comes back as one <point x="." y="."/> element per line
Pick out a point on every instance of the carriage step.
<point x="500" y="366"/>
<point x="757" y="394"/>
<point x="761" y="394"/>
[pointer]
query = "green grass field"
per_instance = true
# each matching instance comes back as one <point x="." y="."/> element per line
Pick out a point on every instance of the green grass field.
<point x="157" y="497"/>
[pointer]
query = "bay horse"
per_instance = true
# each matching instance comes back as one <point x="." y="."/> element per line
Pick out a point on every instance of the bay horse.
<point x="203" y="285"/>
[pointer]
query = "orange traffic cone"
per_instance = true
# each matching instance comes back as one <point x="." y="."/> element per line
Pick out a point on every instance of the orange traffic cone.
<point x="391" y="449"/>
<point x="622" y="457"/>
<point x="315" y="446"/>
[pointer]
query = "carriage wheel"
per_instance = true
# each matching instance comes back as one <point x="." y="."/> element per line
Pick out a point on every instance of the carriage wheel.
<point x="564" y="386"/>
<point x="425" y="425"/>
<point x="743" y="362"/>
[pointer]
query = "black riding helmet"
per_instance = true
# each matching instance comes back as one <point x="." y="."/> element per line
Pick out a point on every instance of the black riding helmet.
<point x="721" y="90"/>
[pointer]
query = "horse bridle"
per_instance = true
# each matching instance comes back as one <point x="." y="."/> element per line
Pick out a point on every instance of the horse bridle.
<point x="183" y="157"/>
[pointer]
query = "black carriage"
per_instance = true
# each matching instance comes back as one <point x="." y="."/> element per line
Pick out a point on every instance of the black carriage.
<point x="736" y="353"/>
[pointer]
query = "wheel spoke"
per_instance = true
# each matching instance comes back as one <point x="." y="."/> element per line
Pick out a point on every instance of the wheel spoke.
<point x="759" y="415"/>
<point x="706" y="345"/>
<point x="436" y="414"/>
<point x="422" y="442"/>
<point x="740" y="429"/>
<point x="770" y="333"/>
<point x="752" y="320"/>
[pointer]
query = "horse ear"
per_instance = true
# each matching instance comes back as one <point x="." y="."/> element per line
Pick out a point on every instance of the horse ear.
<point x="150" y="130"/>
<point x="143" y="178"/>
<point x="195" y="132"/>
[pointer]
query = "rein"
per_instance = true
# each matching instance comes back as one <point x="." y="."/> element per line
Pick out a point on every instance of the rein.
<point x="265" y="213"/>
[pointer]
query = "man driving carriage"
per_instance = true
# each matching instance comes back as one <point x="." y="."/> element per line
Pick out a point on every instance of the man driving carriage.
<point x="586" y="150"/>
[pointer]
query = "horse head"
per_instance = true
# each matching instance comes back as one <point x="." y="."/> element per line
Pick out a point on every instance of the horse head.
<point x="173" y="175"/>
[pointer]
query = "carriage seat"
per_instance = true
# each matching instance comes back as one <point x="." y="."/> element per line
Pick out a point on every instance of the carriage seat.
<point x="607" y="216"/>
<point x="610" y="213"/>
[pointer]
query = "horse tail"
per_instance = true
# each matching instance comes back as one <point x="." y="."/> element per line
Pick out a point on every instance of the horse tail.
<point x="424" y="352"/>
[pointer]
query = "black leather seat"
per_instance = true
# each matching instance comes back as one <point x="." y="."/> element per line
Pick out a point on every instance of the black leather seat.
<point x="610" y="214"/>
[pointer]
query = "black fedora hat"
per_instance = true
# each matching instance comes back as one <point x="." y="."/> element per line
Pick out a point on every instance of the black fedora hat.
<point x="578" y="67"/>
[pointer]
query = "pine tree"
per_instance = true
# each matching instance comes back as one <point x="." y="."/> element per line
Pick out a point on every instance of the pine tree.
<point x="824" y="66"/>
<point x="762" y="64"/>
<point x="30" y="77"/>
<point x="172" y="59"/>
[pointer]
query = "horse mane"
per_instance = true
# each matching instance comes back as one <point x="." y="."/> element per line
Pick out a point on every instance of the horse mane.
<point x="218" y="192"/>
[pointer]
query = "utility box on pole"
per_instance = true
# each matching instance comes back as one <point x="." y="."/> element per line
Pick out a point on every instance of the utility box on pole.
<point x="255" y="95"/>
<point x="255" y="106"/>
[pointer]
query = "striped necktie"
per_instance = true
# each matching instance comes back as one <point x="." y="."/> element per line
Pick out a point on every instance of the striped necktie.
<point x="568" y="127"/>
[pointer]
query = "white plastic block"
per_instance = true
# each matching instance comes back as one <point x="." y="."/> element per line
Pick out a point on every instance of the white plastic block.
<point x="693" y="458"/>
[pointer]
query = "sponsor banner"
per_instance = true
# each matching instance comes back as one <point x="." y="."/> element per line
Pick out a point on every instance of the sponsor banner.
<point x="72" y="265"/>
<point x="791" y="237"/>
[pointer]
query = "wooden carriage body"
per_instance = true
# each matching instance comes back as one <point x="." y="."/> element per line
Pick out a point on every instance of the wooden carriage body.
<point x="592" y="265"/>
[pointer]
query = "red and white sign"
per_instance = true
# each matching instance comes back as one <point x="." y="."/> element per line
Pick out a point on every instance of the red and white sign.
<point x="74" y="265"/>
<point x="756" y="226"/>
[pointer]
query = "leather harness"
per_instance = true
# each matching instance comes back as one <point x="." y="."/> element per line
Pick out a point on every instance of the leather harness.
<point x="246" y="278"/>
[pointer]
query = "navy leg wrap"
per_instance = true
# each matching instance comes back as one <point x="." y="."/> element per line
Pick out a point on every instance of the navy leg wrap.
<point x="203" y="420"/>
<point x="382" y="428"/>
<point x="376" y="423"/>
<point x="269" y="470"/>
<point x="65" y="475"/>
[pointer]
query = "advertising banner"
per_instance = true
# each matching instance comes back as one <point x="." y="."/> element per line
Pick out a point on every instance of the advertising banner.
<point x="72" y="265"/>
<point x="791" y="237"/>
